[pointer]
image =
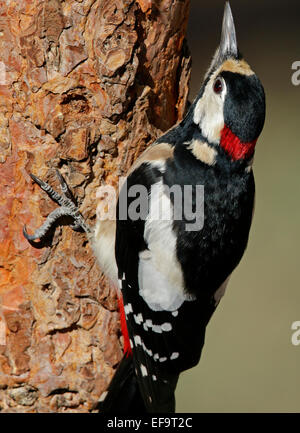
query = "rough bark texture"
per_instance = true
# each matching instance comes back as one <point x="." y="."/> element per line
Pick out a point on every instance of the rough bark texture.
<point x="85" y="86"/>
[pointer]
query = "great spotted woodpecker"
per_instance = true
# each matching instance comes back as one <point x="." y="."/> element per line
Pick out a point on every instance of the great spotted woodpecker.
<point x="172" y="271"/>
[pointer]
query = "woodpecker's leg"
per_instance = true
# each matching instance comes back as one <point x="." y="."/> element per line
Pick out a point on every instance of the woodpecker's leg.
<point x="67" y="208"/>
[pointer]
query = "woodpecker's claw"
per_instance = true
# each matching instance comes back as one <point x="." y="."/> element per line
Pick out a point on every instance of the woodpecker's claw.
<point x="67" y="208"/>
<point x="64" y="186"/>
<point x="37" y="180"/>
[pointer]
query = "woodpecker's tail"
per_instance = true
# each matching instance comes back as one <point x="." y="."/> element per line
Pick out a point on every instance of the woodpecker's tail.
<point x="138" y="385"/>
<point x="123" y="395"/>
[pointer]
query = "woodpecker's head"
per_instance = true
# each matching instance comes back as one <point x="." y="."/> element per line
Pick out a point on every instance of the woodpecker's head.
<point x="230" y="108"/>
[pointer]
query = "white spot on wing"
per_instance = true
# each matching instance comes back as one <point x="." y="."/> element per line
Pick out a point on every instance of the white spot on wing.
<point x="166" y="327"/>
<point x="154" y="377"/>
<point x="163" y="359"/>
<point x="138" y="318"/>
<point x="128" y="308"/>
<point x="149" y="323"/>
<point x="137" y="340"/>
<point x="175" y="313"/>
<point x="157" y="329"/>
<point x="174" y="355"/>
<point x="149" y="351"/>
<point x="144" y="370"/>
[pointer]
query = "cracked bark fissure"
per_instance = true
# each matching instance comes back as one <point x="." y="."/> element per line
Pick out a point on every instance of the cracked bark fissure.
<point x="87" y="86"/>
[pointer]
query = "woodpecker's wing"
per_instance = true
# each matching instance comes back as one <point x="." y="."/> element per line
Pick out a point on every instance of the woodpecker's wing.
<point x="166" y="327"/>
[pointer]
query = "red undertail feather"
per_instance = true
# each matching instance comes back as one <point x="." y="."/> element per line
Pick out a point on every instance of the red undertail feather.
<point x="127" y="348"/>
<point x="234" y="146"/>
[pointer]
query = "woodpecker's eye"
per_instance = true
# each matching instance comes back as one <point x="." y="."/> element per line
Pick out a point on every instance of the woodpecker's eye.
<point x="218" y="86"/>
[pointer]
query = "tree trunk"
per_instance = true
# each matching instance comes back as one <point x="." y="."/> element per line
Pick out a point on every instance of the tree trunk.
<point x="85" y="86"/>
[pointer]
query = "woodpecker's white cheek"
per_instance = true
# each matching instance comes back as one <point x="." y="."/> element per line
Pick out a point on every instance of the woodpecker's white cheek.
<point x="208" y="114"/>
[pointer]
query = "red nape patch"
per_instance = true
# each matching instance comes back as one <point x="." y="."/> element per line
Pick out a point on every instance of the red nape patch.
<point x="234" y="146"/>
<point x="127" y="348"/>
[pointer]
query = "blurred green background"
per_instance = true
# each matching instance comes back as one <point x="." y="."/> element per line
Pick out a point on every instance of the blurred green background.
<point x="249" y="363"/>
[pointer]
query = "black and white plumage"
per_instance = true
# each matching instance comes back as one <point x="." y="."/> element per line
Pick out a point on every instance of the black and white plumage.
<point x="171" y="278"/>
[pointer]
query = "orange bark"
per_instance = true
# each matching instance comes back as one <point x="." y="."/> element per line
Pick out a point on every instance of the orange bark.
<point x="85" y="86"/>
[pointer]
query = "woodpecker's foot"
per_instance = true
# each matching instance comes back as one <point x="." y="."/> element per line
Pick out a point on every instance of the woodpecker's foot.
<point x="67" y="208"/>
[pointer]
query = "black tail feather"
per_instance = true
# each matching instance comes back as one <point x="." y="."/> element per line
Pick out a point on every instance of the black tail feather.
<point x="123" y="394"/>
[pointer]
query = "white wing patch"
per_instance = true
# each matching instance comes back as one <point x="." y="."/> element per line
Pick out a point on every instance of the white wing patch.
<point x="160" y="277"/>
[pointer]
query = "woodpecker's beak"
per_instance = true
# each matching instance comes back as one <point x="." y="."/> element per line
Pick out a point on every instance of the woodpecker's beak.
<point x="228" y="47"/>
